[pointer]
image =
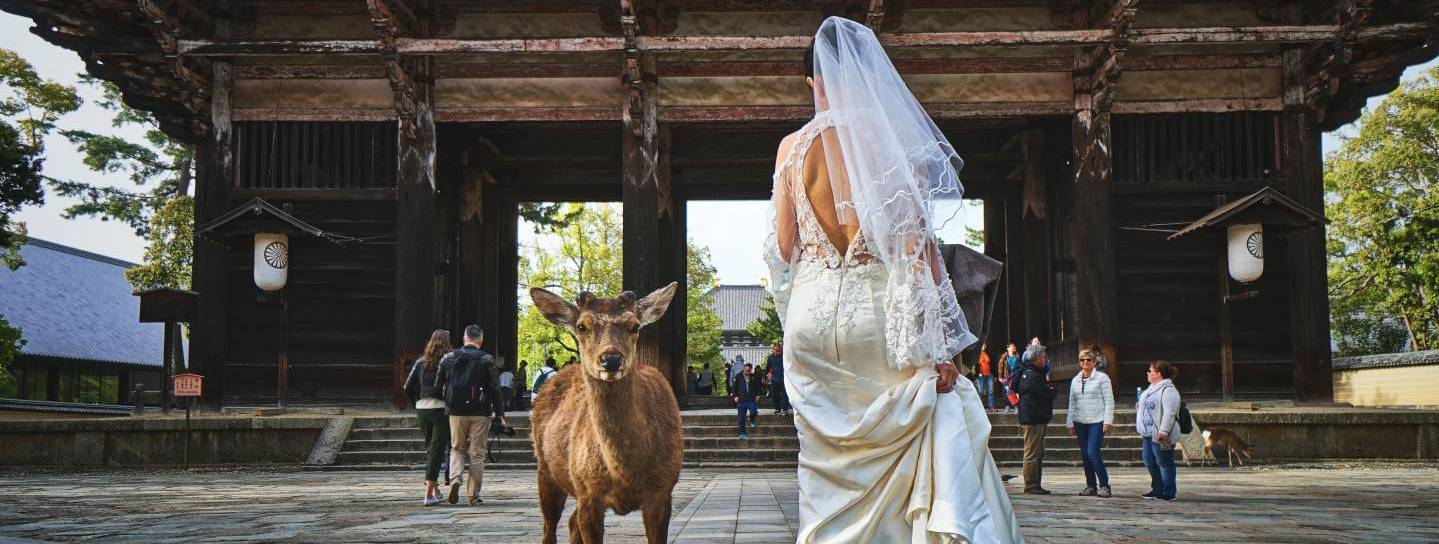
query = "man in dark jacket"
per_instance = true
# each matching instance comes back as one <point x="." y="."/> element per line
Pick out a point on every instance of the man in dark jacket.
<point x="745" y="392"/>
<point x="464" y="373"/>
<point x="1036" y="408"/>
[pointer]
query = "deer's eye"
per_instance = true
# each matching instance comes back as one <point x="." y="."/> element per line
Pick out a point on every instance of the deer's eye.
<point x="582" y="328"/>
<point x="635" y="329"/>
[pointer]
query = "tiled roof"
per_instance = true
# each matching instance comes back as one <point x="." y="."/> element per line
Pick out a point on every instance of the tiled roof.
<point x="73" y="304"/>
<point x="738" y="305"/>
<point x="1387" y="360"/>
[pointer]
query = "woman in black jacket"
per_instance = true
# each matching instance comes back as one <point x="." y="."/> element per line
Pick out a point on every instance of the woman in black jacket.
<point x="430" y="410"/>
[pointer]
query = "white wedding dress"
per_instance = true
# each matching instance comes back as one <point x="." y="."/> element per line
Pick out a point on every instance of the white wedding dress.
<point x="883" y="457"/>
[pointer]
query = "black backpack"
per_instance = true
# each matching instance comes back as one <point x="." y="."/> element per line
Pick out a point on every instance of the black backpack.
<point x="465" y="389"/>
<point x="1186" y="423"/>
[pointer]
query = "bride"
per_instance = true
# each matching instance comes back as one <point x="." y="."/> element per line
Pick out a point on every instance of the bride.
<point x="893" y="447"/>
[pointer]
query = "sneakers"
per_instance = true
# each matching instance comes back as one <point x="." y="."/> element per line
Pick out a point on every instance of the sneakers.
<point x="454" y="491"/>
<point x="1037" y="491"/>
<point x="1166" y="499"/>
<point x="754" y="424"/>
<point x="1088" y="492"/>
<point x="1149" y="495"/>
<point x="432" y="501"/>
<point x="475" y="501"/>
<point x="743" y="436"/>
<point x="1104" y="492"/>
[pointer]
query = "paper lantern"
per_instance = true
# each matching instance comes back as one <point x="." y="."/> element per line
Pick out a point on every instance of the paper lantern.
<point x="272" y="261"/>
<point x="1246" y="252"/>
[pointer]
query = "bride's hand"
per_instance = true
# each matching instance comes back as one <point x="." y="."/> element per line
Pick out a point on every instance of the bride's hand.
<point x="948" y="374"/>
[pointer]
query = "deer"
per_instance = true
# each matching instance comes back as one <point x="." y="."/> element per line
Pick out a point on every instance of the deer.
<point x="607" y="430"/>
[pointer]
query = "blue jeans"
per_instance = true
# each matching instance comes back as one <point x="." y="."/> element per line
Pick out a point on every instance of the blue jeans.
<point x="986" y="390"/>
<point x="1160" y="462"/>
<point x="747" y="406"/>
<point x="1091" y="441"/>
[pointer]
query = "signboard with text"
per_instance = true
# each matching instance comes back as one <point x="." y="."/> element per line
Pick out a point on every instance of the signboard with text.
<point x="188" y="384"/>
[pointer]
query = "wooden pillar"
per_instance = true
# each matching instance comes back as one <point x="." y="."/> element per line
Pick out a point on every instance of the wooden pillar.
<point x="994" y="247"/>
<point x="650" y="254"/>
<point x="414" y="232"/>
<point x="1303" y="168"/>
<point x="1014" y="267"/>
<point x="214" y="176"/>
<point x="1094" y="252"/>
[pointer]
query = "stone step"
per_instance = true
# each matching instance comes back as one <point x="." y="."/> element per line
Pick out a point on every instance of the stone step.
<point x="734" y="454"/>
<point x="728" y="441"/>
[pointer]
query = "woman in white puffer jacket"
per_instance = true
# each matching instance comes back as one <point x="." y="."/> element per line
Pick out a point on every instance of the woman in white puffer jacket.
<point x="1090" y="416"/>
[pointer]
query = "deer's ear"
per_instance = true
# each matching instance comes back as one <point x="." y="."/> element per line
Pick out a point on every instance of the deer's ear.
<point x="558" y="310"/>
<point x="651" y="308"/>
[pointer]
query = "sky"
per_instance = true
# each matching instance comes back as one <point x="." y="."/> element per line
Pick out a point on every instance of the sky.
<point x="733" y="231"/>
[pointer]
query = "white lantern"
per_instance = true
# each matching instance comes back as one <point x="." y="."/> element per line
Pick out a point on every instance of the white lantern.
<point x="1246" y="252"/>
<point x="272" y="260"/>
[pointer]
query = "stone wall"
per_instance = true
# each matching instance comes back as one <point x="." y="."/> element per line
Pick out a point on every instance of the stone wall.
<point x="159" y="441"/>
<point x="1339" y="434"/>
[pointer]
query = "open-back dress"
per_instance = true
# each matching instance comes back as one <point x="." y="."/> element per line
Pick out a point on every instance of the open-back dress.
<point x="883" y="457"/>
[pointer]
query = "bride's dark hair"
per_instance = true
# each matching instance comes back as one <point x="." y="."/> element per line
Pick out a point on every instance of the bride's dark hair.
<point x="809" y="60"/>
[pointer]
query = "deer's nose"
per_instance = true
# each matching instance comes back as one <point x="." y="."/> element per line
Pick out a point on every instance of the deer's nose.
<point x="611" y="361"/>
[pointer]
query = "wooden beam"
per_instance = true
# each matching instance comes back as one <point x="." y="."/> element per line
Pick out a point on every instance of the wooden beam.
<point x="166" y="27"/>
<point x="1283" y="34"/>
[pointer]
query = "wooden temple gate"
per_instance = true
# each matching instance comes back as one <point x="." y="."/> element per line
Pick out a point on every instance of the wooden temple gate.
<point x="414" y="127"/>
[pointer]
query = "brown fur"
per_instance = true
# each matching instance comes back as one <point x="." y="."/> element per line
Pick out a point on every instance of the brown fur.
<point x="1235" y="447"/>
<point x="613" y="443"/>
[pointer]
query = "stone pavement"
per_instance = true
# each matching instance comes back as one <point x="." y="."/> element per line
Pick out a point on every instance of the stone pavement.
<point x="1327" y="503"/>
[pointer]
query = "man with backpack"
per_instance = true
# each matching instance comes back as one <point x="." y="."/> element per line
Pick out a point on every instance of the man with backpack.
<point x="471" y="385"/>
<point x="546" y="372"/>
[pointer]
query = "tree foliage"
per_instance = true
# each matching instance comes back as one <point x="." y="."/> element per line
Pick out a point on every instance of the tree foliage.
<point x="170" y="253"/>
<point x="1382" y="201"/>
<point x="160" y="168"/>
<point x="702" y="323"/>
<point x="587" y="255"/>
<point x="29" y="107"/>
<point x="583" y="251"/>
<point x="767" y="328"/>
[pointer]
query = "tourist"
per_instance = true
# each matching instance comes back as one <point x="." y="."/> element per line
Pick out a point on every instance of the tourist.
<point x="545" y="373"/>
<point x="743" y="391"/>
<point x="1036" y="409"/>
<point x="735" y="370"/>
<point x="1101" y="363"/>
<point x="1090" y="416"/>
<point x="522" y="386"/>
<point x="507" y="386"/>
<point x="706" y="381"/>
<point x="850" y="237"/>
<point x="776" y="379"/>
<point x="1008" y="371"/>
<point x="430" y="410"/>
<point x="1155" y="417"/>
<point x="984" y="378"/>
<point x="471" y="385"/>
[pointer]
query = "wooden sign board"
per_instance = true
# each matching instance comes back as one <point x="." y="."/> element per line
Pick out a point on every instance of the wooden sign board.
<point x="188" y="384"/>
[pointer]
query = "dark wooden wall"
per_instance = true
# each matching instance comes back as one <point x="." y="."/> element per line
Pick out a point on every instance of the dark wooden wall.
<point x="1168" y="169"/>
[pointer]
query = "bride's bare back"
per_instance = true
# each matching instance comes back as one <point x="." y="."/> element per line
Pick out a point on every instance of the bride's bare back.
<point x="815" y="175"/>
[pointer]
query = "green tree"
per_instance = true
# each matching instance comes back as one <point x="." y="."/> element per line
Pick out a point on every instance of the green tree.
<point x="587" y="255"/>
<point x="1382" y="201"/>
<point x="29" y="107"/>
<point x="160" y="167"/>
<point x="170" y="253"/>
<point x="702" y="323"/>
<point x="767" y="328"/>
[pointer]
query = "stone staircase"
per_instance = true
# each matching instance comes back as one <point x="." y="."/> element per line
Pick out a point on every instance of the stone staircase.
<point x="394" y="443"/>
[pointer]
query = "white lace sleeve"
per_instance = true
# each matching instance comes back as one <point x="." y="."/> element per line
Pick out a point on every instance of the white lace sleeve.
<point x="782" y="226"/>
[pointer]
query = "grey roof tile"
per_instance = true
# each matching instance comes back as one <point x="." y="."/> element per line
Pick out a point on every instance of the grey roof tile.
<point x="74" y="304"/>
<point x="738" y="305"/>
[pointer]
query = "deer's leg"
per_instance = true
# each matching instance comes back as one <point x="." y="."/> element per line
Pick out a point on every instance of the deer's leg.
<point x="657" y="519"/>
<point x="587" y="524"/>
<point x="552" y="506"/>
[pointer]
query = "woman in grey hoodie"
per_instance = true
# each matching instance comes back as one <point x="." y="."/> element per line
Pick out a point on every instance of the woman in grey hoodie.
<point x="1155" y="419"/>
<point x="1089" y="418"/>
